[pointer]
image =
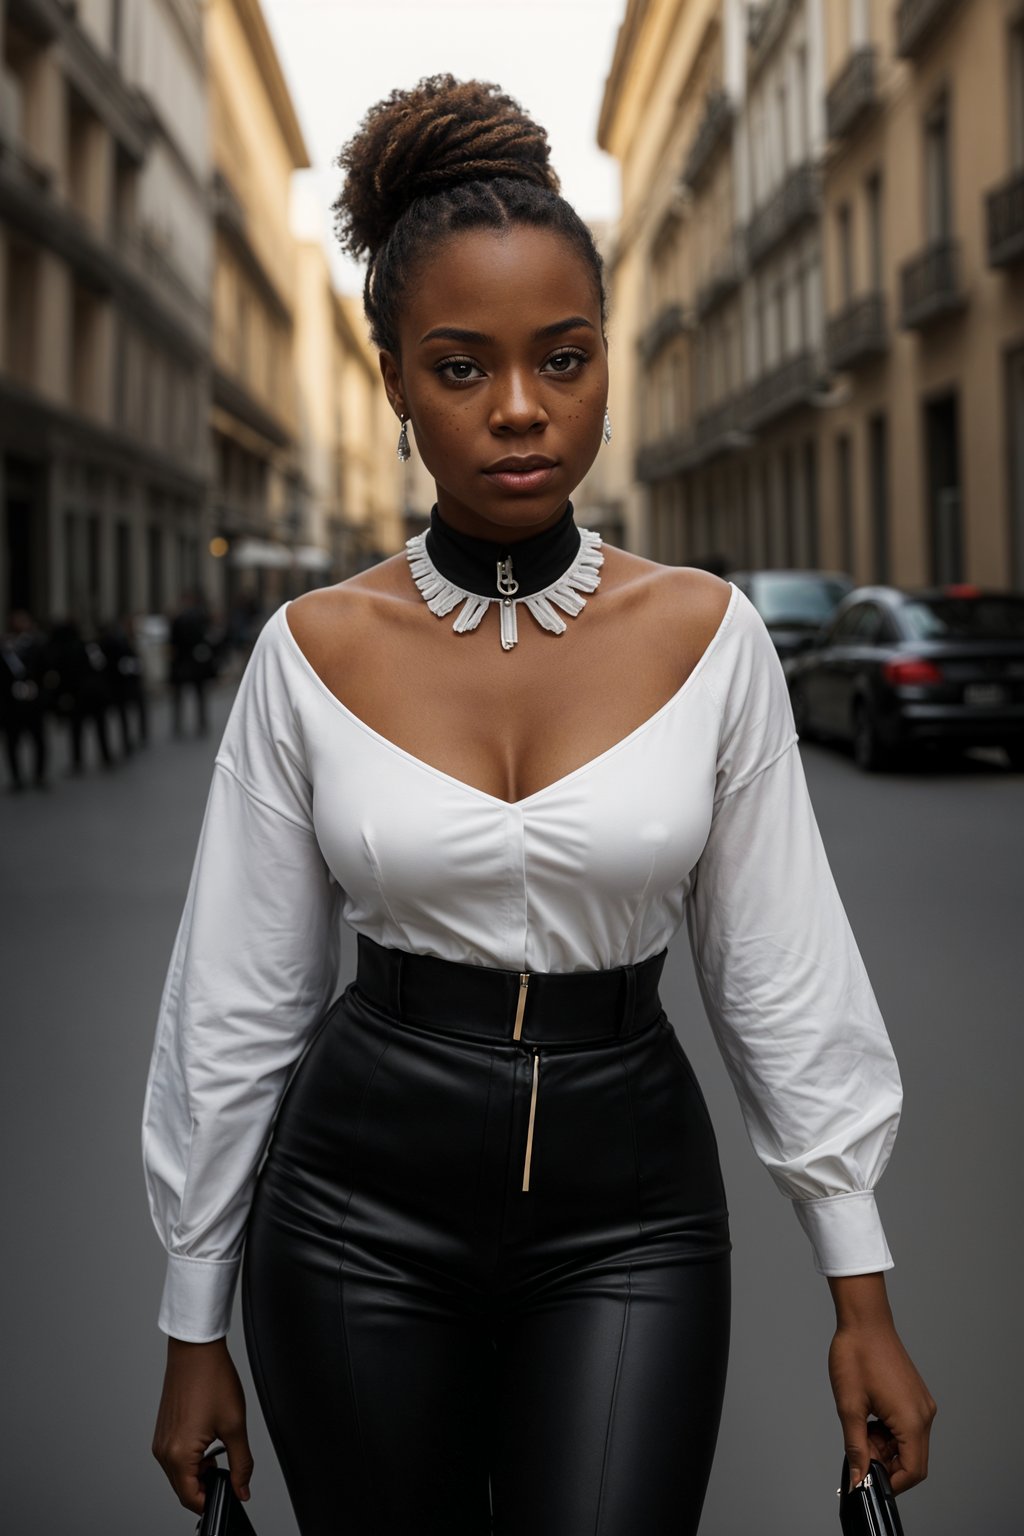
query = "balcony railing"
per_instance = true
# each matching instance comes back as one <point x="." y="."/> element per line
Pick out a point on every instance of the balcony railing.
<point x="43" y="18"/>
<point x="719" y="429"/>
<point x="858" y="332"/>
<point x="852" y="93"/>
<point x="1004" y="218"/>
<point x="668" y="456"/>
<point x="670" y="321"/>
<point x="916" y="20"/>
<point x="765" y="25"/>
<point x="715" y="127"/>
<point x="787" y="387"/>
<point x="796" y="202"/>
<point x="725" y="277"/>
<point x="930" y="285"/>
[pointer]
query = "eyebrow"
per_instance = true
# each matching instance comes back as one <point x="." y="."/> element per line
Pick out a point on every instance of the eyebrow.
<point x="456" y="333"/>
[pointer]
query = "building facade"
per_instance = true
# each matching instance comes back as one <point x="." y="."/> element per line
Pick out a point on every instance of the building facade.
<point x="104" y="323"/>
<point x="817" y="285"/>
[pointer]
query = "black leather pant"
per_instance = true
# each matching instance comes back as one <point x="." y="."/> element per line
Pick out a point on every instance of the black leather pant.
<point x="486" y="1276"/>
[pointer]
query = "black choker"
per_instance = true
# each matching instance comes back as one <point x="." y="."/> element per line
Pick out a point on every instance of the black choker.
<point x="546" y="571"/>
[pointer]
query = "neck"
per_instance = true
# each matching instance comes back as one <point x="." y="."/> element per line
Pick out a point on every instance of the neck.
<point x="471" y="562"/>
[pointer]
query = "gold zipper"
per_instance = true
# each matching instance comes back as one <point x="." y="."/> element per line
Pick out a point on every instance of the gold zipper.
<point x="529" y="1129"/>
<point x="524" y="982"/>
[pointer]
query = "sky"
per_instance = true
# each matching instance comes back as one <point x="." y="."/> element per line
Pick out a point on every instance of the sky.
<point x="341" y="56"/>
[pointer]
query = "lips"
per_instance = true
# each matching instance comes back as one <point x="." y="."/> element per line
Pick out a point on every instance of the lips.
<point x="520" y="465"/>
<point x="525" y="472"/>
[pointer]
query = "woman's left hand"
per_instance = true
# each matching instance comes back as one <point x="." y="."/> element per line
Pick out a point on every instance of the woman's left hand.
<point x="871" y="1373"/>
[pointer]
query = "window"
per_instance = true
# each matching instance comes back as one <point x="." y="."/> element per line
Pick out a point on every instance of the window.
<point x="1016" y="53"/>
<point x="810" y="503"/>
<point x="844" y="249"/>
<point x="844" y="500"/>
<point x="878" y="480"/>
<point x="876" y="251"/>
<point x="937" y="181"/>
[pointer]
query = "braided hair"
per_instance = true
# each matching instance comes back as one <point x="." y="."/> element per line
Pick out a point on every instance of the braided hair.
<point x="446" y="155"/>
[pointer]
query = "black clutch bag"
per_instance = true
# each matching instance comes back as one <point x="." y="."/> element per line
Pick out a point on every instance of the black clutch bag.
<point x="223" y="1513"/>
<point x="870" y="1508"/>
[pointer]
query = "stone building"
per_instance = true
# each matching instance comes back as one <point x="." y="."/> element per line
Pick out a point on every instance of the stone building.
<point x="104" y="320"/>
<point x="819" y="339"/>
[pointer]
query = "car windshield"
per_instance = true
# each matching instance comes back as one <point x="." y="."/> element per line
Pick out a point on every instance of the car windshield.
<point x="796" y="599"/>
<point x="965" y="618"/>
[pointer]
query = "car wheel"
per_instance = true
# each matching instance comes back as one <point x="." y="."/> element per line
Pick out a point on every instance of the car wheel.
<point x="801" y="714"/>
<point x="869" y="751"/>
<point x="1015" y="753"/>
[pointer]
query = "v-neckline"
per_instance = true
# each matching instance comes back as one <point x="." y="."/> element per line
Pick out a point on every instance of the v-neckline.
<point x="546" y="789"/>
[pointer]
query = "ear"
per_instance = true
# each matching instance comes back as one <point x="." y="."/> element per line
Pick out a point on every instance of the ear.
<point x="391" y="373"/>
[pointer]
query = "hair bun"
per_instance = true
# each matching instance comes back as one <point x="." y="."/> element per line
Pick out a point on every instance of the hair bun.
<point x="414" y="142"/>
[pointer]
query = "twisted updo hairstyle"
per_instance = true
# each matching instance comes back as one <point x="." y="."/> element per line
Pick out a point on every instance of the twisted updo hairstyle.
<point x="445" y="156"/>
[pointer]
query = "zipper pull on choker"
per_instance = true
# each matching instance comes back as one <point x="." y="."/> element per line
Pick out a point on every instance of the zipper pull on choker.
<point x="507" y="586"/>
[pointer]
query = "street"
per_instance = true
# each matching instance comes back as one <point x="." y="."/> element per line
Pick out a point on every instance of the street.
<point x="929" y="866"/>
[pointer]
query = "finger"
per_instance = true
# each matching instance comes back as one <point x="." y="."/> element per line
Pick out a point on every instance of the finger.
<point x="913" y="1462"/>
<point x="855" y="1441"/>
<point x="240" y="1462"/>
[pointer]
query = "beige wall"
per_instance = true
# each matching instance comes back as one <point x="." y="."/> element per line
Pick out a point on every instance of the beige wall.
<point x="964" y="352"/>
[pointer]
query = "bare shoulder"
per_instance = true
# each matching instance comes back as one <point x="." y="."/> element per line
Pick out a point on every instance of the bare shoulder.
<point x="330" y="622"/>
<point x="689" y="602"/>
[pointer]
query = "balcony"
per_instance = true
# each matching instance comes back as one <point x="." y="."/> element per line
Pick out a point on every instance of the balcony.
<point x="796" y="202"/>
<point x="669" y="456"/>
<point x="1004" y="219"/>
<point x="42" y="18"/>
<point x="724" y="279"/>
<point x="857" y="333"/>
<point x="720" y="429"/>
<point x="765" y="25"/>
<point x="930" y="285"/>
<point x="671" y="320"/>
<point x="916" y="21"/>
<point x="786" y="388"/>
<point x="714" y="130"/>
<point x="852" y="94"/>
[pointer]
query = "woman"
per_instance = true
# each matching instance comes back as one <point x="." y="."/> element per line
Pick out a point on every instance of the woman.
<point x="487" y="1257"/>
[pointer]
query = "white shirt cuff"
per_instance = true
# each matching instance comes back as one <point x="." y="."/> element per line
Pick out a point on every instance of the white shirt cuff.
<point x="197" y="1298"/>
<point x="846" y="1233"/>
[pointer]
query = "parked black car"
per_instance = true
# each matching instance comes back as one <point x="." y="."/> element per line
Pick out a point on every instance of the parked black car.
<point x="794" y="604"/>
<point x="893" y="669"/>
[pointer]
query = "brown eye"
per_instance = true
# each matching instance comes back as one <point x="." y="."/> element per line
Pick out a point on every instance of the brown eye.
<point x="568" y="361"/>
<point x="442" y="369"/>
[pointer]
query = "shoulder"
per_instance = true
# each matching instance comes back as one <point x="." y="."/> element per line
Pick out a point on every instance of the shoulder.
<point x="340" y="618"/>
<point x="685" y="605"/>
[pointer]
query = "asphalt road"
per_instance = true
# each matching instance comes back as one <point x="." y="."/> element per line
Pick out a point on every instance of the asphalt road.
<point x="929" y="867"/>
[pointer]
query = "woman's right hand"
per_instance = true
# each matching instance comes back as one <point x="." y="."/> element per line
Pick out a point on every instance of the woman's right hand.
<point x="202" y="1401"/>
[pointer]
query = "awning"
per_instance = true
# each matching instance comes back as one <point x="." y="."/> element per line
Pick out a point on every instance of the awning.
<point x="254" y="552"/>
<point x="312" y="557"/>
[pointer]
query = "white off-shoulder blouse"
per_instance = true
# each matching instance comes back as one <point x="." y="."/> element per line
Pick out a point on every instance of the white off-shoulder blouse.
<point x="701" y="815"/>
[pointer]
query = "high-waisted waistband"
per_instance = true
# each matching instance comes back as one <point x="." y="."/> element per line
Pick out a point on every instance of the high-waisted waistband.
<point x="544" y="1007"/>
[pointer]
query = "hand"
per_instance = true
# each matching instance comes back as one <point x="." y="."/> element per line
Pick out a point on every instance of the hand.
<point x="871" y="1372"/>
<point x="202" y="1401"/>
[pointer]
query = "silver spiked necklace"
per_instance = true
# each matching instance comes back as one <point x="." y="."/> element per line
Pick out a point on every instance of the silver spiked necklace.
<point x="442" y="593"/>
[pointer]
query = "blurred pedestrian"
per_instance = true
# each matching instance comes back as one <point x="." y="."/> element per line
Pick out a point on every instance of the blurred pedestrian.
<point x="22" y="699"/>
<point x="193" y="662"/>
<point x="128" y="690"/>
<point x="80" y="689"/>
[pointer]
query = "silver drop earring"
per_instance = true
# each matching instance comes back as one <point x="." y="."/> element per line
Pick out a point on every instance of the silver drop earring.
<point x="606" y="432"/>
<point x="404" y="451"/>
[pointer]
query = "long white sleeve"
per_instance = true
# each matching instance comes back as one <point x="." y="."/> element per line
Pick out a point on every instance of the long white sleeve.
<point x="783" y="982"/>
<point x="253" y="967"/>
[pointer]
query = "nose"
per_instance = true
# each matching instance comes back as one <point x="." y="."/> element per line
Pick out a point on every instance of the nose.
<point x="517" y="404"/>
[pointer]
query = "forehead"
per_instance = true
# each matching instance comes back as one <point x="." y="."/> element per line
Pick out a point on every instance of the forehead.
<point x="514" y="279"/>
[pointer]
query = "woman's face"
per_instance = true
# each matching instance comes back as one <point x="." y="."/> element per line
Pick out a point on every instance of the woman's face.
<point x="502" y="358"/>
